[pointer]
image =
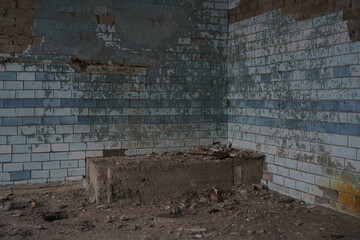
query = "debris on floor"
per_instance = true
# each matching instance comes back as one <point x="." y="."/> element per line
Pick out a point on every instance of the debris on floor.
<point x="247" y="212"/>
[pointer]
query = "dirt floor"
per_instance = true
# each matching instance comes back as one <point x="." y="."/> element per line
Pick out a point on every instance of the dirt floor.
<point x="249" y="212"/>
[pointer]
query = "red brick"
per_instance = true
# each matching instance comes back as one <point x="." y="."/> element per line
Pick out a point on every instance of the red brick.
<point x="7" y="3"/>
<point x="19" y="13"/>
<point x="13" y="31"/>
<point x="7" y="22"/>
<point x="321" y="2"/>
<point x="354" y="35"/>
<point x="232" y="11"/>
<point x="25" y="22"/>
<point x="10" y="49"/>
<point x="351" y="13"/>
<point x="355" y="3"/>
<point x="297" y="6"/>
<point x="267" y="176"/>
<point x="21" y="40"/>
<point x="344" y="4"/>
<point x="109" y="20"/>
<point x="27" y="32"/>
<point x="354" y="23"/>
<point x="37" y="40"/>
<point x="24" y="47"/>
<point x="25" y="4"/>
<point x="197" y="41"/>
<point x="308" y="4"/>
<point x="253" y="5"/>
<point x="231" y="19"/>
<point x="276" y="4"/>
<point x="5" y="40"/>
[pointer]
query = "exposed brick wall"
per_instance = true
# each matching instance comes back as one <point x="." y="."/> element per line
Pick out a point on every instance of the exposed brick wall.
<point x="16" y="23"/>
<point x="294" y="94"/>
<point x="302" y="10"/>
<point x="126" y="77"/>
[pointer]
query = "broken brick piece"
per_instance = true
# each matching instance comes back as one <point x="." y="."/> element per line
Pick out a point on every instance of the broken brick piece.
<point x="220" y="154"/>
<point x="108" y="20"/>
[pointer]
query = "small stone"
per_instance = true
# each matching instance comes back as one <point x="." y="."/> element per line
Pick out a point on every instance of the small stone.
<point x="220" y="155"/>
<point x="197" y="230"/>
<point x="4" y="197"/>
<point x="107" y="219"/>
<point x="124" y="218"/>
<point x="298" y="223"/>
<point x="214" y="197"/>
<point x="175" y="153"/>
<point x="243" y="192"/>
<point x="33" y="204"/>
<point x="16" y="214"/>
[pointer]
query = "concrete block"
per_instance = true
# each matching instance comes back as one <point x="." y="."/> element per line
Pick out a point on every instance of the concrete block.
<point x="111" y="145"/>
<point x="39" y="148"/>
<point x="40" y="174"/>
<point x="5" y="149"/>
<point x="7" y="76"/>
<point x="69" y="164"/>
<point x="290" y="183"/>
<point x="60" y="147"/>
<point x="75" y="178"/>
<point x="64" y="129"/>
<point x="37" y="181"/>
<point x="27" y="130"/>
<point x="25" y="94"/>
<point x="60" y="156"/>
<point x="5" y="158"/>
<point x="76" y="155"/>
<point x="82" y="129"/>
<point x="20" y="175"/>
<point x="40" y="157"/>
<point x="4" y="177"/>
<point x="25" y="76"/>
<point x="12" y="167"/>
<point x="81" y="163"/>
<point x="169" y="177"/>
<point x="79" y="146"/>
<point x="16" y="140"/>
<point x="32" y="166"/>
<point x="94" y="146"/>
<point x="51" y="165"/>
<point x="301" y="186"/>
<point x="20" y="157"/>
<point x="14" y="67"/>
<point x="307" y="177"/>
<point x="6" y="131"/>
<point x="13" y="85"/>
<point x="94" y="154"/>
<point x="76" y="171"/>
<point x="72" y="138"/>
<point x="278" y="180"/>
<point x="58" y="173"/>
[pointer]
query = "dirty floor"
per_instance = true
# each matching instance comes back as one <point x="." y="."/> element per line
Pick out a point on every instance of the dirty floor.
<point x="248" y="212"/>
